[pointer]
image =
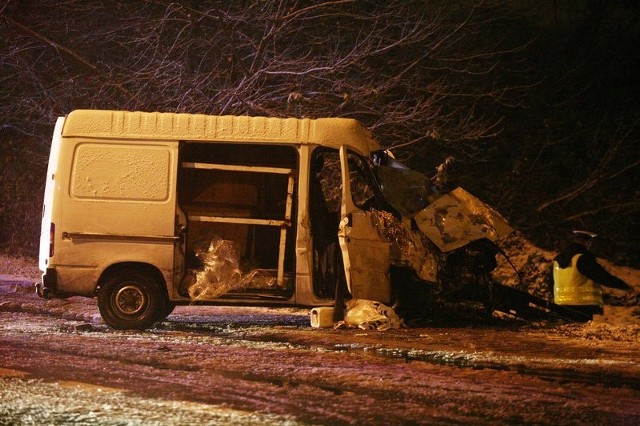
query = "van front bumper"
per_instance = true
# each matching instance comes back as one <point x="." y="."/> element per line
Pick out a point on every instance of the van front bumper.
<point x="48" y="287"/>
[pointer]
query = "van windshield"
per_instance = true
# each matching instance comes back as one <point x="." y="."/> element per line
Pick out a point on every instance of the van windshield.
<point x="406" y="190"/>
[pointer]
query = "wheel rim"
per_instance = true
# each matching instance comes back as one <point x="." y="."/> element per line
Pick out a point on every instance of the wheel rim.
<point x="130" y="300"/>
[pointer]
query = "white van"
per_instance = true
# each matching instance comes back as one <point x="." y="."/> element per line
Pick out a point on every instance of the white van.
<point x="149" y="210"/>
<point x="136" y="205"/>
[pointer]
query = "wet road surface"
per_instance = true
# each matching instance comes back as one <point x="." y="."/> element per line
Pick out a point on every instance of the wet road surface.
<point x="210" y="365"/>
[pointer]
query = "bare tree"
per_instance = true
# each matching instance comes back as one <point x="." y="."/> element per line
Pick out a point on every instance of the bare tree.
<point x="412" y="71"/>
<point x="417" y="73"/>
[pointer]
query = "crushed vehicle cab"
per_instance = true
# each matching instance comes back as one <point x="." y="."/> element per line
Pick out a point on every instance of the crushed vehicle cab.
<point x="146" y="211"/>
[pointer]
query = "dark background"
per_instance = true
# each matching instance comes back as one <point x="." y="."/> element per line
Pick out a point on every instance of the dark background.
<point x="536" y="103"/>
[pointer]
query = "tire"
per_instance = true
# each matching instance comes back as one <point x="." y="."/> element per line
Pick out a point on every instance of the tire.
<point x="166" y="311"/>
<point x="412" y="300"/>
<point x="131" y="300"/>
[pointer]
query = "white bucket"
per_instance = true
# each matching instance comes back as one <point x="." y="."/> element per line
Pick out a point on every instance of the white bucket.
<point x="322" y="317"/>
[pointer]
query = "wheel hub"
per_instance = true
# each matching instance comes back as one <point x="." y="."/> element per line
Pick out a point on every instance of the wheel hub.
<point x="129" y="300"/>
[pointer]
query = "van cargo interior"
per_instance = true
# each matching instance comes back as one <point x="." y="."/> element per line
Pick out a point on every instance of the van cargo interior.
<point x="245" y="195"/>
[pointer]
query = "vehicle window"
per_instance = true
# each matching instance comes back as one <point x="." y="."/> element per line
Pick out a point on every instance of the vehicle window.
<point x="326" y="175"/>
<point x="405" y="190"/>
<point x="362" y="182"/>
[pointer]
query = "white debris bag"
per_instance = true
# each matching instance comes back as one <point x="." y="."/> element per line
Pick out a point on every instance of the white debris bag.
<point x="371" y="315"/>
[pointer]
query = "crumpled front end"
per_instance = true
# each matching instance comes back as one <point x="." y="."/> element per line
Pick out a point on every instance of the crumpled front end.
<point x="458" y="218"/>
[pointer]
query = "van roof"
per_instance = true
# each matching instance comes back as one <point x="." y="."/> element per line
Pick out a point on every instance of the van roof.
<point x="332" y="132"/>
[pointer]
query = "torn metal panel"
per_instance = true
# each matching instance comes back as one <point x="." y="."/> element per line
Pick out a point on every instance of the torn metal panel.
<point x="458" y="218"/>
<point x="408" y="247"/>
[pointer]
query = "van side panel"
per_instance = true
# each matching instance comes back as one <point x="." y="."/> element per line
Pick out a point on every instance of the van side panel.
<point x="94" y="255"/>
<point x="117" y="204"/>
<point x="121" y="189"/>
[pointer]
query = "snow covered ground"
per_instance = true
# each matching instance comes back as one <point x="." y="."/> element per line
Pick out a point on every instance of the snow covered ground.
<point x="271" y="363"/>
<point x="621" y="316"/>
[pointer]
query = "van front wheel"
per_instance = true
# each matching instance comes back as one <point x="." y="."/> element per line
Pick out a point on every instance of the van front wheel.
<point x="130" y="300"/>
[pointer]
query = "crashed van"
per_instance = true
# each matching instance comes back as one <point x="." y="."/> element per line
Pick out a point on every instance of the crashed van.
<point x="146" y="211"/>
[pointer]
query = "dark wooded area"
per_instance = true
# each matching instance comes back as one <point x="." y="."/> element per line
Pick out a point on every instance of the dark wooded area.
<point x="536" y="103"/>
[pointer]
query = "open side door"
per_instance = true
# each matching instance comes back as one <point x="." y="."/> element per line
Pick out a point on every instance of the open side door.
<point x="366" y="254"/>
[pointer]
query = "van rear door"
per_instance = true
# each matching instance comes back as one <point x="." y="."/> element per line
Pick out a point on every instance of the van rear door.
<point x="48" y="227"/>
<point x="366" y="254"/>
